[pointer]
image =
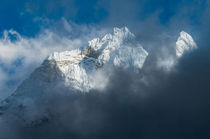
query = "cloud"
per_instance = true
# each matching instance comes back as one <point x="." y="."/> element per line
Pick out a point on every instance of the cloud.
<point x="20" y="55"/>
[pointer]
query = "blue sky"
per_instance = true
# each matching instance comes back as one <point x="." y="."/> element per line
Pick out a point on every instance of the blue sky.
<point x="38" y="27"/>
<point x="23" y="15"/>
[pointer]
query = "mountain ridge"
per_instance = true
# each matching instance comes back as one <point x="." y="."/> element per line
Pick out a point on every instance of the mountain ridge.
<point x="82" y="69"/>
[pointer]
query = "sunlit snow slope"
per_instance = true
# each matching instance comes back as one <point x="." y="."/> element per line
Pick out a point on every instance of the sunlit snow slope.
<point x="184" y="43"/>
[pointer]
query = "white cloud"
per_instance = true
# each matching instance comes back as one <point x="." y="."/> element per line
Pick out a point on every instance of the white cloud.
<point x="166" y="63"/>
<point x="101" y="79"/>
<point x="19" y="55"/>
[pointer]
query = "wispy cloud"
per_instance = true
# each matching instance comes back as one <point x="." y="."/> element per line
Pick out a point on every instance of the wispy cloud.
<point x="20" y="55"/>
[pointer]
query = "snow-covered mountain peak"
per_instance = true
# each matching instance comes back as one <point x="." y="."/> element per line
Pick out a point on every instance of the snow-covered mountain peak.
<point x="78" y="67"/>
<point x="184" y="43"/>
<point x="97" y="45"/>
<point x="123" y="33"/>
<point x="119" y="36"/>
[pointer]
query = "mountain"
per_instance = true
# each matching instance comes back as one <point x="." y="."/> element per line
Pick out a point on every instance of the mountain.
<point x="119" y="49"/>
<point x="184" y="43"/>
<point x="80" y="70"/>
